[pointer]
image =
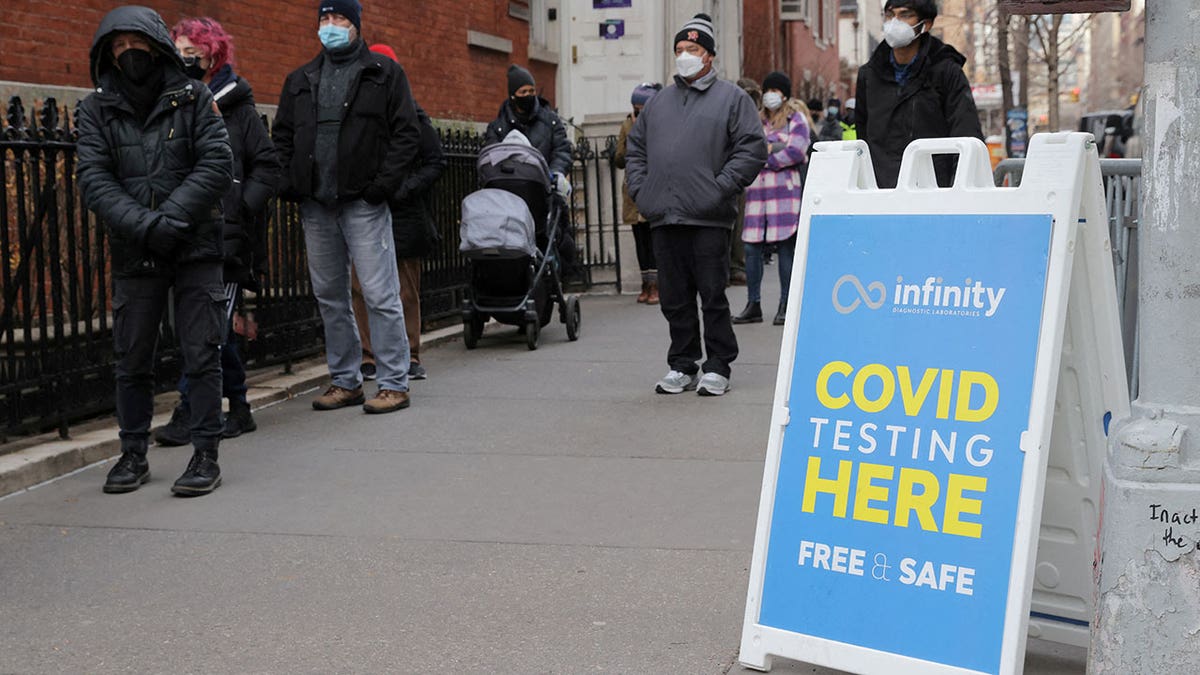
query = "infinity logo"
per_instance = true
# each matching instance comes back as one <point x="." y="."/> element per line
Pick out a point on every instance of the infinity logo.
<point x="863" y="296"/>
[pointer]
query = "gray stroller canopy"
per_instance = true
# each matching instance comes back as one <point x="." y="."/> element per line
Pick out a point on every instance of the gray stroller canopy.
<point x="512" y="161"/>
<point x="496" y="220"/>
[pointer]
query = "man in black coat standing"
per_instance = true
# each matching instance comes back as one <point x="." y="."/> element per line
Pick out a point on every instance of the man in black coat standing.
<point x="912" y="87"/>
<point x="348" y="136"/>
<point x="154" y="163"/>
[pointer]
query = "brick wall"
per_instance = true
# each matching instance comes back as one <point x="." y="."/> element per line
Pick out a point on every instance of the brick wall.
<point x="788" y="46"/>
<point x="764" y="52"/>
<point x="815" y="69"/>
<point x="46" y="43"/>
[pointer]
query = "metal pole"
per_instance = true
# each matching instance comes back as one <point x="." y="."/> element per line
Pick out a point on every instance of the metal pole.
<point x="1147" y="567"/>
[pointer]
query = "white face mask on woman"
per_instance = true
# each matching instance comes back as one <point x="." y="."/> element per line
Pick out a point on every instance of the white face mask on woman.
<point x="772" y="100"/>
<point x="899" y="34"/>
<point x="687" y="65"/>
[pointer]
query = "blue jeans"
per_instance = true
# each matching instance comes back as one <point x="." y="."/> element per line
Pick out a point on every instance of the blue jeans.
<point x="754" y="268"/>
<point x="358" y="233"/>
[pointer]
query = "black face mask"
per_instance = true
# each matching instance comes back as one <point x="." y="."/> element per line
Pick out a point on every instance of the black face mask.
<point x="524" y="104"/>
<point x="192" y="68"/>
<point x="137" y="66"/>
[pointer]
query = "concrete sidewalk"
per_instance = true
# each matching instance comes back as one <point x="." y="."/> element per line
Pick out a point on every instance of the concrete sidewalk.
<point x="537" y="511"/>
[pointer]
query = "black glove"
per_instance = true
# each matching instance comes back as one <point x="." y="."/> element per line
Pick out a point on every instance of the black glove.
<point x="374" y="194"/>
<point x="233" y="251"/>
<point x="165" y="237"/>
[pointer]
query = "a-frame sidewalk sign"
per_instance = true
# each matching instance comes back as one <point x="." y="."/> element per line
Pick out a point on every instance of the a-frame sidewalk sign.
<point x="930" y="332"/>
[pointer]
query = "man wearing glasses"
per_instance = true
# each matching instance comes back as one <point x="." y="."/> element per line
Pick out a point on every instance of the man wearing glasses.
<point x="912" y="87"/>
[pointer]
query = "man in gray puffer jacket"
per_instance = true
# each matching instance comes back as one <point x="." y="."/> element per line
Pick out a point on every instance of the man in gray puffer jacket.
<point x="154" y="163"/>
<point x="694" y="148"/>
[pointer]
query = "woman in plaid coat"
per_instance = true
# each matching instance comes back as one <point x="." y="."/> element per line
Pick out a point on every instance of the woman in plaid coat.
<point x="773" y="200"/>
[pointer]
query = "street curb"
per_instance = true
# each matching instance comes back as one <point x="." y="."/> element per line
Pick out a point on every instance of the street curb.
<point x="54" y="457"/>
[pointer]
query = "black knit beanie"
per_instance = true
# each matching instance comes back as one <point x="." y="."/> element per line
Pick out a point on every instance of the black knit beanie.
<point x="517" y="78"/>
<point x="351" y="9"/>
<point x="698" y="29"/>
<point x="778" y="80"/>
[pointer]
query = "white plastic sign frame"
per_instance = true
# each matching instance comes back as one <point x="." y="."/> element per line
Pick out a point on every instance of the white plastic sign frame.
<point x="1061" y="181"/>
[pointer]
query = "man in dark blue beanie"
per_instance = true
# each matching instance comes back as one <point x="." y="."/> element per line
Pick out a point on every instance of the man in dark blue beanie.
<point x="350" y="9"/>
<point x="347" y="133"/>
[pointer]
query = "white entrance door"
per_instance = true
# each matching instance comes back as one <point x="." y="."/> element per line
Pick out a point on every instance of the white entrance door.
<point x="599" y="73"/>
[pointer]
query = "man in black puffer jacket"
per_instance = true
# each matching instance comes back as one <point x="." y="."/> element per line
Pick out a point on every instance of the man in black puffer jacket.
<point x="912" y="87"/>
<point x="532" y="115"/>
<point x="154" y="163"/>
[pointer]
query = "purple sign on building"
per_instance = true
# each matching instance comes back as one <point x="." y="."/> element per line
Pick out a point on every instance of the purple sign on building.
<point x="611" y="4"/>
<point x="612" y="29"/>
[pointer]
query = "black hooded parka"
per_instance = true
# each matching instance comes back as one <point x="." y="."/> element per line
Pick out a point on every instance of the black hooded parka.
<point x="170" y="171"/>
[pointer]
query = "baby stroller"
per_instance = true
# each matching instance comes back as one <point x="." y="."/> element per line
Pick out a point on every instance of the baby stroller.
<point x="509" y="231"/>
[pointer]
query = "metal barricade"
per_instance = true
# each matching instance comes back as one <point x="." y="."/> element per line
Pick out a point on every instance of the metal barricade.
<point x="1122" y="195"/>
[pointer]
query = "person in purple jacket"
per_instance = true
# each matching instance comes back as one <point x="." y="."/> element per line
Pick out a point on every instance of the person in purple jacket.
<point x="773" y="199"/>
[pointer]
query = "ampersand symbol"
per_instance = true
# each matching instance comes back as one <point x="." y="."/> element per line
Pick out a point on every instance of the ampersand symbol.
<point x="879" y="571"/>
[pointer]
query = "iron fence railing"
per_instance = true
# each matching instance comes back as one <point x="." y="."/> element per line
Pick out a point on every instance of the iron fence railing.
<point x="1123" y="194"/>
<point x="56" y="356"/>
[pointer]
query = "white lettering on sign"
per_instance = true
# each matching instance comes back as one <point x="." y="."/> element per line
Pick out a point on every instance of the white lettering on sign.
<point x="840" y="559"/>
<point x="937" y="577"/>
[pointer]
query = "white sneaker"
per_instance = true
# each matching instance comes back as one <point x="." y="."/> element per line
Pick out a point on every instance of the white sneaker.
<point x="712" y="384"/>
<point x="675" y="382"/>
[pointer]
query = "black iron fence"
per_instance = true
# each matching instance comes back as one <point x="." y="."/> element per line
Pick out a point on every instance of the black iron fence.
<point x="56" y="356"/>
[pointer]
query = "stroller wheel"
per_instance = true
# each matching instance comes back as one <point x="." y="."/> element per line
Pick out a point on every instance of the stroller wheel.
<point x="532" y="329"/>
<point x="573" y="318"/>
<point x="472" y="329"/>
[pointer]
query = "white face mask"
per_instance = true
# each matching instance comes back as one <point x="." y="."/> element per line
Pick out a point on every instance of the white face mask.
<point x="772" y="100"/>
<point x="899" y="34"/>
<point x="687" y="65"/>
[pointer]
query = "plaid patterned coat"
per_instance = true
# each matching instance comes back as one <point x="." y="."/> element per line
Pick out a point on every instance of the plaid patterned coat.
<point x="773" y="200"/>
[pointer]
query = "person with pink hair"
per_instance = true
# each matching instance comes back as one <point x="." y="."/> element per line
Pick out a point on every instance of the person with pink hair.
<point x="207" y="51"/>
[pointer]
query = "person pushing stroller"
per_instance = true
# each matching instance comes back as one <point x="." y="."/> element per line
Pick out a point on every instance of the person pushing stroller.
<point x="527" y="112"/>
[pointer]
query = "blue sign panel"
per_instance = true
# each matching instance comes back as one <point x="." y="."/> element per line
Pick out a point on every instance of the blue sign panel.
<point x="897" y="492"/>
<point x="611" y="4"/>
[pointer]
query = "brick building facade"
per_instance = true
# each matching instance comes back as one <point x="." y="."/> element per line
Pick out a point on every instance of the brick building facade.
<point x="803" y="44"/>
<point x="455" y="53"/>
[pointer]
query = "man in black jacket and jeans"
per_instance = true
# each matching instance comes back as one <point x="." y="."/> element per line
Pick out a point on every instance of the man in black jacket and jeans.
<point x="347" y="137"/>
<point x="912" y="87"/>
<point x="154" y="162"/>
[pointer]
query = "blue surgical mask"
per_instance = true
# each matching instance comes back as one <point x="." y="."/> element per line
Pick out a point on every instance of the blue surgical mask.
<point x="334" y="37"/>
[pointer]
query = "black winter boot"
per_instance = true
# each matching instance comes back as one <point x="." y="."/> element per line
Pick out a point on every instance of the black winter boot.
<point x="781" y="315"/>
<point x="202" y="475"/>
<point x="178" y="431"/>
<point x="239" y="420"/>
<point x="130" y="471"/>
<point x="752" y="314"/>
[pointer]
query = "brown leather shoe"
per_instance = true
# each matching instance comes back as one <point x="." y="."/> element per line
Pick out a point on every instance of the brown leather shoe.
<point x="336" y="397"/>
<point x="386" y="401"/>
<point x="652" y="293"/>
<point x="641" y="298"/>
